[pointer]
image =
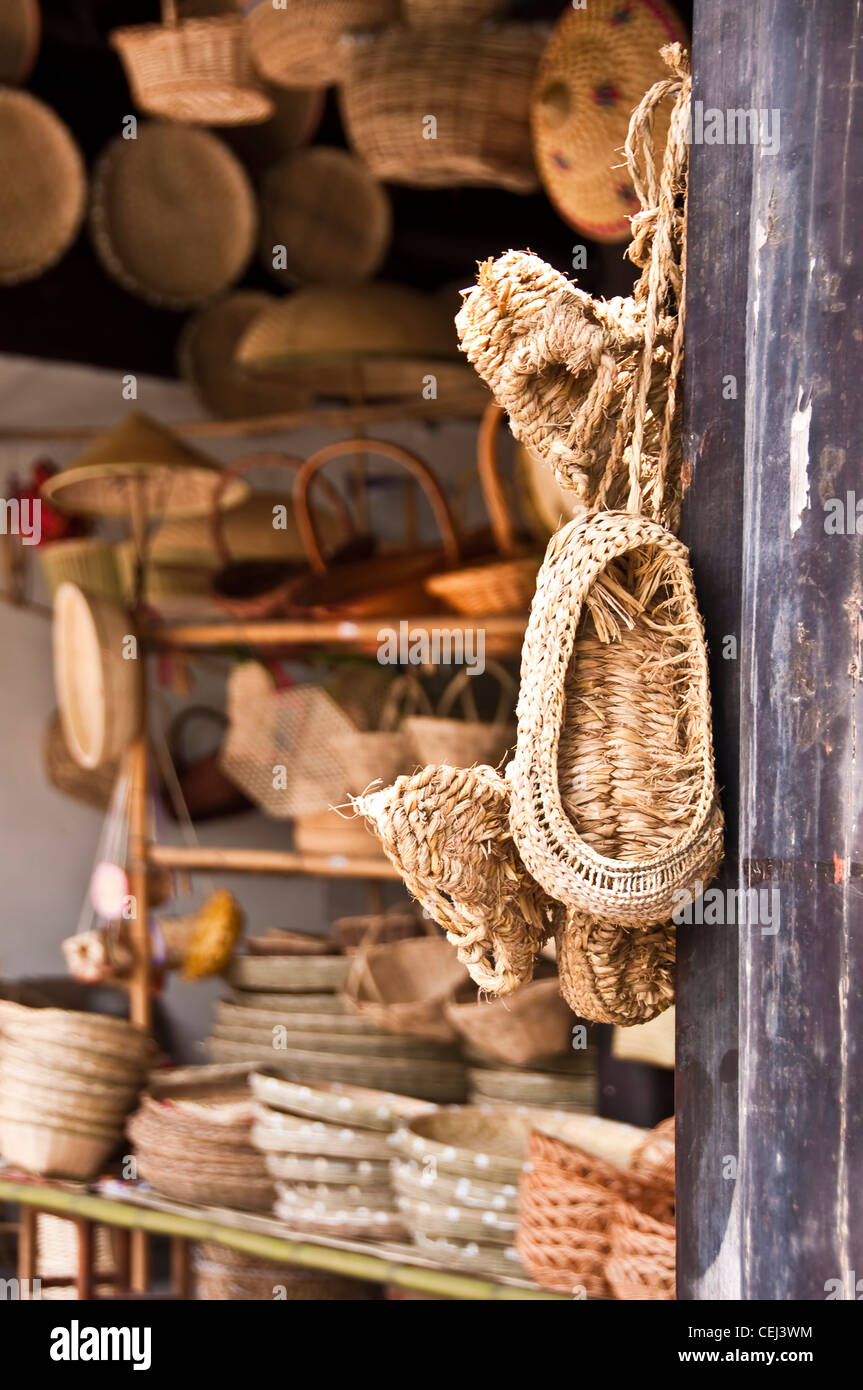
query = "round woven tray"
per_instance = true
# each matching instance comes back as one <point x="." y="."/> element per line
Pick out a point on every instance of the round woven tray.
<point x="429" y="1080"/>
<point x="345" y="1044"/>
<point x="534" y="1087"/>
<point x="276" y="1132"/>
<point x="315" y="1004"/>
<point x="592" y="75"/>
<point x="241" y="1016"/>
<point x="354" y="1105"/>
<point x="323" y="218"/>
<point x="341" y="1197"/>
<point x="422" y="1183"/>
<point x="151" y="217"/>
<point x="299" y="1168"/>
<point x="474" y="1257"/>
<point x="438" y="1219"/>
<point x="43" y="187"/>
<point x="300" y="974"/>
<point x="20" y="35"/>
<point x="469" y="1141"/>
<point x="356" y="1223"/>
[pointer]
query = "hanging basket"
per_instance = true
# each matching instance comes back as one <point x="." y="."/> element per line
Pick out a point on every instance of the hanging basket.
<point x="298" y="44"/>
<point x="439" y="738"/>
<point x="446" y="832"/>
<point x="404" y="987"/>
<point x="614" y="802"/>
<point x="205" y="357"/>
<point x="614" y="974"/>
<point x="504" y="584"/>
<point x="199" y="70"/>
<point x="477" y="84"/>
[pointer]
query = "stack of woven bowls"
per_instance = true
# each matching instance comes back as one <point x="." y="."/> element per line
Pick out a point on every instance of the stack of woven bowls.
<point x="456" y="1179"/>
<point x="67" y="1082"/>
<point x="287" y="1013"/>
<point x="193" y="1141"/>
<point x="328" y="1149"/>
<point x="224" y="1274"/>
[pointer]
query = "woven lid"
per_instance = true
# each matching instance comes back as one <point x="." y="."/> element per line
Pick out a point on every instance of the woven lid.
<point x="42" y="187"/>
<point x="176" y="479"/>
<point x="597" y="66"/>
<point x="173" y="215"/>
<point x="20" y="33"/>
<point x="205" y="355"/>
<point x="329" y="213"/>
<point x="332" y="323"/>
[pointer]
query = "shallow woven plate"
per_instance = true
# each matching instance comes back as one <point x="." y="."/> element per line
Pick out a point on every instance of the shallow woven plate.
<point x="534" y="1088"/>
<point x="296" y="1134"/>
<point x="241" y="1016"/>
<point x="422" y="1183"/>
<point x="43" y="189"/>
<point x="331" y="1171"/>
<point x="290" y="973"/>
<point x="288" y="1003"/>
<point x="470" y="1141"/>
<point x="472" y="1256"/>
<point x="463" y="1224"/>
<point x="362" y="1223"/>
<point x="341" y="1197"/>
<point x="429" y="1080"/>
<point x="354" y="1105"/>
<point x="378" y="1044"/>
<point x="173" y="214"/>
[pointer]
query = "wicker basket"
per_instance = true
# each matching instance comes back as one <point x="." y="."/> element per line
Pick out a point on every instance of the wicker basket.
<point x="432" y="1079"/>
<point x="323" y="218"/>
<point x="404" y="987"/>
<point x="593" y="73"/>
<point x="439" y="738"/>
<point x="278" y="749"/>
<point x="43" y="188"/>
<point x="184" y="1183"/>
<point x="20" y="36"/>
<point x="151" y="217"/>
<point x="298" y="45"/>
<point x="446" y="832"/>
<point x="107" y="1038"/>
<point x="221" y="1273"/>
<point x="199" y="70"/>
<point x="502" y="585"/>
<point x="421" y="1183"/>
<point x="376" y="929"/>
<point x="56" y="1148"/>
<point x="98" y="689"/>
<point x="299" y="1003"/>
<point x="614" y="804"/>
<point x="384" y="584"/>
<point x="93" y="786"/>
<point x="380" y="755"/>
<point x="478" y="86"/>
<point x="88" y="562"/>
<point x="275" y="1132"/>
<point x="533" y="1022"/>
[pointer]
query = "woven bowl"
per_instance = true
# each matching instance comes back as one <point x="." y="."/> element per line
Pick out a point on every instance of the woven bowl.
<point x="99" y="1033"/>
<point x="20" y="1099"/>
<point x="180" y="1183"/>
<point x="531" y="1023"/>
<point x="70" y="1062"/>
<point x="405" y="986"/>
<point x="151" y="217"/>
<point x="20" y="1068"/>
<point x="43" y="188"/>
<point x="323" y="218"/>
<point x="337" y="1102"/>
<point x="469" y="1141"/>
<point x="52" y="1149"/>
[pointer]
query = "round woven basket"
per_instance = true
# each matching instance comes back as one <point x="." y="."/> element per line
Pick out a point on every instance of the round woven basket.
<point x="378" y="1044"/>
<point x="477" y="87"/>
<point x="597" y="66"/>
<point x="404" y="987"/>
<point x="235" y="1016"/>
<point x="98" y="688"/>
<point x="112" y="1038"/>
<point x="56" y="1149"/>
<point x="151" y="217"/>
<point x="298" y="1134"/>
<point x="355" y="1105"/>
<point x="298" y="44"/>
<point x="533" y="1022"/>
<point x="481" y="1142"/>
<point x="323" y="218"/>
<point x="205" y="355"/>
<point x="332" y="1171"/>
<point x="641" y="1262"/>
<point x="22" y="1068"/>
<point x="21" y="1100"/>
<point x="20" y="36"/>
<point x="43" y="188"/>
<point x="199" y="70"/>
<point x="184" y="1182"/>
<point x="493" y="1086"/>
<point x="614" y="805"/>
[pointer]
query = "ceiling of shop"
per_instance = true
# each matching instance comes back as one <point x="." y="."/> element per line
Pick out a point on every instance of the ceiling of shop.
<point x="76" y="313"/>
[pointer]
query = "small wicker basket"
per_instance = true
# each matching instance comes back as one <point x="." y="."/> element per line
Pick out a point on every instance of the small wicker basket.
<point x="297" y="44"/>
<point x="404" y="986"/>
<point x="440" y="738"/>
<point x="530" y="1024"/>
<point x="199" y="70"/>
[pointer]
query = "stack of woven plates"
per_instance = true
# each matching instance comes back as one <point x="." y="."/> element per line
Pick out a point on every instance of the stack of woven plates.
<point x="562" y="1083"/>
<point x="67" y="1081"/>
<point x="193" y="1141"/>
<point x="456" y="1182"/>
<point x="328" y="1148"/>
<point x="284" y="1013"/>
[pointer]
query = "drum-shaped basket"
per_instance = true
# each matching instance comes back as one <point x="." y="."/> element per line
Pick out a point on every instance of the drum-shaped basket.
<point x="96" y="675"/>
<point x="440" y="738"/>
<point x="404" y="987"/>
<point x="614" y="803"/>
<point x="533" y="1022"/>
<point x="593" y="74"/>
<point x="199" y="70"/>
<point x="20" y="36"/>
<point x="324" y="217"/>
<point x="446" y="831"/>
<point x="43" y="187"/>
<point x="297" y="44"/>
<point x="151" y="217"/>
<point x="477" y="83"/>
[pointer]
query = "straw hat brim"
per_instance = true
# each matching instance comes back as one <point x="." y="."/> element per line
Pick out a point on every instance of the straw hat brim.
<point x="43" y="188"/>
<point x="596" y="67"/>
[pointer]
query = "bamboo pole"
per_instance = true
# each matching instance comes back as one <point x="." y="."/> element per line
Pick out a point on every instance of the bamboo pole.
<point x="206" y="859"/>
<point x="497" y="629"/>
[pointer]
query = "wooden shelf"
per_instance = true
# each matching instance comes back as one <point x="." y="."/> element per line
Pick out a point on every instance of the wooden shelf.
<point x="502" y="633"/>
<point x="268" y="1239"/>
<point x="269" y="861"/>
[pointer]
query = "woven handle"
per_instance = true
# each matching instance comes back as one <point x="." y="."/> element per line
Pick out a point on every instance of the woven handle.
<point x="460" y="688"/>
<point x="499" y="514"/>
<point x="266" y="460"/>
<point x="405" y="696"/>
<point x="414" y="466"/>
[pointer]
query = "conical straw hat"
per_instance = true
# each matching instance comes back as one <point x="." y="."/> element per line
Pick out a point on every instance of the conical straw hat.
<point x="597" y="66"/>
<point x="43" y="187"/>
<point x="172" y="479"/>
<point x="20" y="33"/>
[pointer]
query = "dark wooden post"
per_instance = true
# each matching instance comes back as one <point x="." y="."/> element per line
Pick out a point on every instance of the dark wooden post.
<point x="773" y="300"/>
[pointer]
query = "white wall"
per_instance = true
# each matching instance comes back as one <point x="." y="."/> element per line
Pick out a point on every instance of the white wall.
<point x="48" y="841"/>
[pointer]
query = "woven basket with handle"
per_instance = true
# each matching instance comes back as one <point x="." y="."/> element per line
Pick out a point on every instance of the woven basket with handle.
<point x="297" y="45"/>
<point x="404" y="986"/>
<point x="439" y="738"/>
<point x="197" y="70"/>
<point x="382" y="754"/>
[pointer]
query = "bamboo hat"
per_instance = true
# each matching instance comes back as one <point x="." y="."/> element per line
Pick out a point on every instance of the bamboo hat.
<point x="205" y="355"/>
<point x="20" y="34"/>
<point x="330" y="215"/>
<point x="175" y="479"/>
<point x="43" y="187"/>
<point x="598" y="64"/>
<point x="173" y="215"/>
